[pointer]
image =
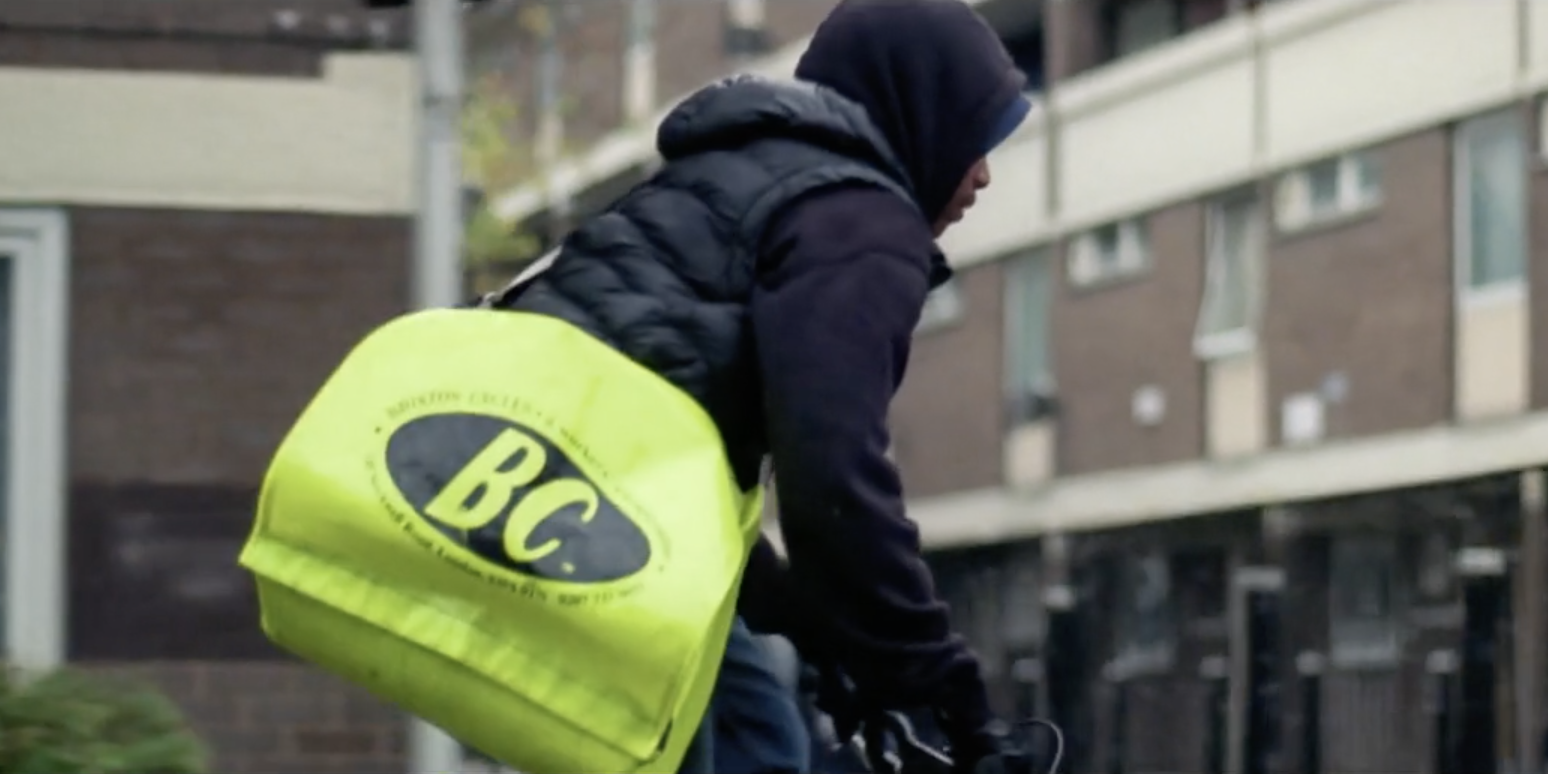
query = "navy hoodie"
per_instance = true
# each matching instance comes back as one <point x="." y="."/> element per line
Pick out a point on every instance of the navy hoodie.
<point x="843" y="278"/>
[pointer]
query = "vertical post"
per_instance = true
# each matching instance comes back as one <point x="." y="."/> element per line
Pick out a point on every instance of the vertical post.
<point x="1484" y="596"/>
<point x="1064" y="670"/>
<point x="1531" y="575"/>
<point x="1309" y="666"/>
<point x="437" y="275"/>
<point x="1118" y="732"/>
<point x="1216" y="672"/>
<point x="1261" y="589"/>
<point x="1441" y="667"/>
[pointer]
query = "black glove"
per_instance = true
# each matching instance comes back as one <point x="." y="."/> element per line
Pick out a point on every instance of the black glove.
<point x="1018" y="755"/>
<point x="973" y="747"/>
<point x="1006" y="763"/>
<point x="835" y="695"/>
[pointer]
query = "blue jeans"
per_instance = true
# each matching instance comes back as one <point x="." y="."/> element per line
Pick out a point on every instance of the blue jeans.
<point x="753" y="725"/>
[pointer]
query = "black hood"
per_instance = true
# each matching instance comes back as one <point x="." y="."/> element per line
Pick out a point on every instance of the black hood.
<point x="932" y="74"/>
<point x="746" y="108"/>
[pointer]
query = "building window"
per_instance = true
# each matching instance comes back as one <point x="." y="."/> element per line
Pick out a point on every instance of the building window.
<point x="1490" y="193"/>
<point x="1233" y="275"/>
<point x="1329" y="189"/>
<point x="1147" y="624"/>
<point x="942" y="308"/>
<point x="746" y="34"/>
<point x="1029" y="372"/>
<point x="1135" y="25"/>
<point x="1109" y="252"/>
<point x="1364" y="586"/>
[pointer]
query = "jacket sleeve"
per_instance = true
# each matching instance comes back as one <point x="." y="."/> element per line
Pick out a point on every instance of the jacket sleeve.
<point x="842" y="283"/>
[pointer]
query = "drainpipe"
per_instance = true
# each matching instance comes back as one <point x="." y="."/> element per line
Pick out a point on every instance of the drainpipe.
<point x="437" y="272"/>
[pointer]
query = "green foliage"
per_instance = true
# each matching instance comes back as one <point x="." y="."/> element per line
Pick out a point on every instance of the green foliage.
<point x="490" y="240"/>
<point x="494" y="163"/>
<point x="67" y="722"/>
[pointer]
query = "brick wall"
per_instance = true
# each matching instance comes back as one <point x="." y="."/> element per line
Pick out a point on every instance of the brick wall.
<point x="278" y="718"/>
<point x="1370" y="298"/>
<point x="196" y="338"/>
<point x="1111" y="340"/>
<point x="947" y="421"/>
<point x="190" y="36"/>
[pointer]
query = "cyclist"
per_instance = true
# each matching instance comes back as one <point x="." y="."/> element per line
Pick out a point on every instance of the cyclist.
<point x="774" y="269"/>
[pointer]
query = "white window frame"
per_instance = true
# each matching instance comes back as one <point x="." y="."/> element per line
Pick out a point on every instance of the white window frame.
<point x="944" y="307"/>
<point x="1088" y="265"/>
<point x="1016" y="334"/>
<point x="1509" y="290"/>
<point x="1293" y="206"/>
<point x="37" y="240"/>
<point x="1214" y="345"/>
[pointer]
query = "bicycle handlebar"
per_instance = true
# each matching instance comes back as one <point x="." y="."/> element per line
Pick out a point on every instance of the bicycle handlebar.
<point x="908" y="754"/>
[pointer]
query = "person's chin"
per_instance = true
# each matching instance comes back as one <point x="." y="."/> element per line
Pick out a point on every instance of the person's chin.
<point x="945" y="223"/>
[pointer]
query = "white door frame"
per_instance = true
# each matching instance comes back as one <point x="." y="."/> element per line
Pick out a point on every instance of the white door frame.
<point x="37" y="241"/>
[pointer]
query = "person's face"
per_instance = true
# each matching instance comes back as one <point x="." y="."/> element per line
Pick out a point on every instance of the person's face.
<point x="976" y="179"/>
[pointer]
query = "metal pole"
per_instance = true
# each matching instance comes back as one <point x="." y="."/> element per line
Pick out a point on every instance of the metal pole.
<point x="437" y="277"/>
<point x="437" y="274"/>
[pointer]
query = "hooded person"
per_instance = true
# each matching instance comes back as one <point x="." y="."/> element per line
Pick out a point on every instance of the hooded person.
<point x="774" y="269"/>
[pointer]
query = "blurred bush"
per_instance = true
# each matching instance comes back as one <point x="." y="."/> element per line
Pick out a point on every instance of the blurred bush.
<point x="69" y="722"/>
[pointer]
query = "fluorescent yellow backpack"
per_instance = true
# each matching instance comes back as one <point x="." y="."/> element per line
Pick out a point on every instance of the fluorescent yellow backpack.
<point x="510" y="530"/>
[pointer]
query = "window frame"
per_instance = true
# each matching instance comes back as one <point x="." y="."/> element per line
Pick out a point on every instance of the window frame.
<point x="36" y="608"/>
<point x="1219" y="344"/>
<point x="1085" y="266"/>
<point x="1359" y="189"/>
<point x="1513" y="288"/>
<point x="1028" y="395"/>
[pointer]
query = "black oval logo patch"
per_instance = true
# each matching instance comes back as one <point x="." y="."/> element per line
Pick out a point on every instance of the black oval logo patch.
<point x="511" y="497"/>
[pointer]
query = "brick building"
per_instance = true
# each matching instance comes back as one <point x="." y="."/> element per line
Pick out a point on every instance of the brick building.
<point x="1227" y="438"/>
<point x="202" y="207"/>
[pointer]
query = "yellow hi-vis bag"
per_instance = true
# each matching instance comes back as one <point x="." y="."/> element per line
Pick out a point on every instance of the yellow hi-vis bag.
<point x="508" y="529"/>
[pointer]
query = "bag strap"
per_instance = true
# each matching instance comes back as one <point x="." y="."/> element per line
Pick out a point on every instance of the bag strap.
<point x="533" y="270"/>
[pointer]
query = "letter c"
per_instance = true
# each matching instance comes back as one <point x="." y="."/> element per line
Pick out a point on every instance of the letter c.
<point x="536" y="507"/>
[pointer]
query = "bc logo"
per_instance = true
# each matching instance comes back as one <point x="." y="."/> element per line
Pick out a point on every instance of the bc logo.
<point x="513" y="498"/>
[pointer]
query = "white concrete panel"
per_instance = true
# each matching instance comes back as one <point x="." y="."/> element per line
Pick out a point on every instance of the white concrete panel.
<point x="1013" y="211"/>
<point x="1399" y="67"/>
<point x="1234" y="407"/>
<point x="1173" y="140"/>
<point x="1493" y="355"/>
<point x="341" y="143"/>
<point x="1537" y="41"/>
<point x="1029" y="455"/>
<point x="1166" y="492"/>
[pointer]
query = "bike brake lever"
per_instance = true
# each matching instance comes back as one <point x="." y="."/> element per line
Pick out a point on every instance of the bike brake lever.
<point x="910" y="755"/>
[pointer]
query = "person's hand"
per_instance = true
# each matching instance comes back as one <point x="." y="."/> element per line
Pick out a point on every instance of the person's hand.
<point x="836" y="697"/>
<point x="978" y="749"/>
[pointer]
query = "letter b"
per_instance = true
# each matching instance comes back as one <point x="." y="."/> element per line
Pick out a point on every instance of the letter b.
<point x="482" y="482"/>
